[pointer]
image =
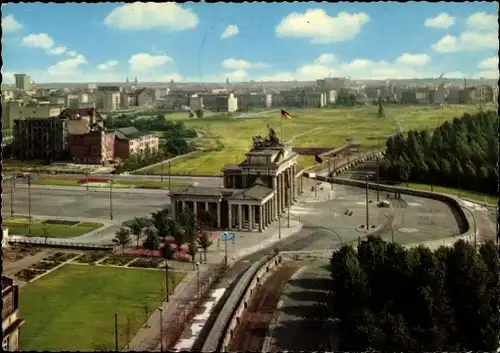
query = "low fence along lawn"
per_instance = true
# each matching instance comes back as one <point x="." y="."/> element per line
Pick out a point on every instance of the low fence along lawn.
<point x="73" y="308"/>
<point x="119" y="184"/>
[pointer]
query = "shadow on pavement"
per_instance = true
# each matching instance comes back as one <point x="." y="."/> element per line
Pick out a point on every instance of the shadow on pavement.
<point x="309" y="339"/>
<point x="309" y="296"/>
<point x="313" y="312"/>
<point x="311" y="283"/>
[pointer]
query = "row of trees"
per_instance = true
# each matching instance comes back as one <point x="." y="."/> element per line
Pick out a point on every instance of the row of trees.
<point x="388" y="298"/>
<point x="170" y="129"/>
<point x="156" y="228"/>
<point x="462" y="153"/>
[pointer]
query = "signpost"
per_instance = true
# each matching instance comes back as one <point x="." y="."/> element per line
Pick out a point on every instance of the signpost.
<point x="225" y="237"/>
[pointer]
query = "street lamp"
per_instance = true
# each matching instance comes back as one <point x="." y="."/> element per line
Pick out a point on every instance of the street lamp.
<point x="390" y="225"/>
<point x="29" y="204"/>
<point x="161" y="328"/>
<point x="333" y="231"/>
<point x="474" y="224"/>
<point x="111" y="199"/>
<point x="198" y="278"/>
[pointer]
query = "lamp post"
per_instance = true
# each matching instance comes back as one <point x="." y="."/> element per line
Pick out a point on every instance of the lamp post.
<point x="29" y="205"/>
<point x="161" y="328"/>
<point x="198" y="278"/>
<point x="12" y="196"/>
<point x="367" y="214"/>
<point x="111" y="199"/>
<point x="333" y="231"/>
<point x="474" y="225"/>
<point x="390" y="225"/>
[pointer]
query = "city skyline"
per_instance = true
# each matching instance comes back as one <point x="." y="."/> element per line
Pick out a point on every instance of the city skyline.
<point x="243" y="42"/>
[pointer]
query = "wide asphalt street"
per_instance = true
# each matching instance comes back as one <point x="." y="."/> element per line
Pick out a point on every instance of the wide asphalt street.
<point x="97" y="203"/>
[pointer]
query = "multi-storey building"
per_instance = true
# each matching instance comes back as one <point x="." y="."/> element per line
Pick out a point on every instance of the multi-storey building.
<point x="129" y="141"/>
<point x="92" y="147"/>
<point x="111" y="101"/>
<point x="254" y="100"/>
<point x="39" y="139"/>
<point x="11" y="321"/>
<point x="254" y="193"/>
<point x="23" y="82"/>
<point x="195" y="103"/>
<point x="14" y="110"/>
<point x="303" y="99"/>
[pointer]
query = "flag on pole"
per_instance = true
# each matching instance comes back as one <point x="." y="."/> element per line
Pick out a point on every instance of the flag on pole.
<point x="285" y="114"/>
<point x="318" y="159"/>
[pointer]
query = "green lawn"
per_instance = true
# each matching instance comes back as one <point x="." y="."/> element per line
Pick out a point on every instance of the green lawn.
<point x="141" y="184"/>
<point x="73" y="308"/>
<point x="20" y="226"/>
<point x="455" y="192"/>
<point x="335" y="125"/>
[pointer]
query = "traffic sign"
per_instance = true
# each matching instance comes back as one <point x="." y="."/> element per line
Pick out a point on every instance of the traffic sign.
<point x="226" y="236"/>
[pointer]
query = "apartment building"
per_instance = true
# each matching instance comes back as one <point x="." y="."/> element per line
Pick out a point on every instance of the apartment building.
<point x="195" y="103"/>
<point x="254" y="100"/>
<point x="23" y="82"/>
<point x="303" y="99"/>
<point x="92" y="147"/>
<point x="39" y="139"/>
<point x="129" y="141"/>
<point x="16" y="110"/>
<point x="8" y="95"/>
<point x="437" y="96"/>
<point x="111" y="101"/>
<point x="11" y="321"/>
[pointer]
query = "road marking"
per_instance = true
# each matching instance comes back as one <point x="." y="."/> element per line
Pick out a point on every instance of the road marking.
<point x="413" y="204"/>
<point x="407" y="230"/>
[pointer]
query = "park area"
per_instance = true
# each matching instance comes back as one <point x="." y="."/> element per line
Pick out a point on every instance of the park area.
<point x="105" y="183"/>
<point x="73" y="307"/>
<point x="50" y="228"/>
<point x="476" y="196"/>
<point x="329" y="128"/>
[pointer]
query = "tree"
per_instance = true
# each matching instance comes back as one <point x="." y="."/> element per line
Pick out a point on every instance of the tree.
<point x="192" y="244"/>
<point x="381" y="110"/>
<point x="152" y="242"/>
<point x="122" y="237"/>
<point x="204" y="244"/>
<point x="136" y="228"/>
<point x="199" y="113"/>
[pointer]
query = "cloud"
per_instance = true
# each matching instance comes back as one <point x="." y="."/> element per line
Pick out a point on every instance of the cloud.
<point x="7" y="76"/>
<point x="230" y="31"/>
<point x="489" y="63"/>
<point x="67" y="66"/>
<point x="107" y="65"/>
<point x="481" y="33"/>
<point x="466" y="41"/>
<point x="413" y="59"/>
<point x="239" y="64"/>
<point x="72" y="53"/>
<point x="10" y="24"/>
<point x="483" y="21"/>
<point x="40" y="40"/>
<point x="325" y="59"/>
<point x="321" y="28"/>
<point x="358" y="69"/>
<point x="58" y="50"/>
<point x="144" y="62"/>
<point x="443" y="21"/>
<point x="148" y="15"/>
<point x="489" y="68"/>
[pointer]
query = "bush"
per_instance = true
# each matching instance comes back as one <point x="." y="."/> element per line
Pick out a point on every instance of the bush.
<point x="28" y="274"/>
<point x="60" y="221"/>
<point x="44" y="265"/>
<point x="118" y="260"/>
<point x="91" y="258"/>
<point x="146" y="263"/>
<point x="60" y="257"/>
<point x="90" y="224"/>
<point x="156" y="187"/>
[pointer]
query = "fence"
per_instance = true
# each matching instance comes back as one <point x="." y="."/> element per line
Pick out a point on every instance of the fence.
<point x="186" y="307"/>
<point x="61" y="245"/>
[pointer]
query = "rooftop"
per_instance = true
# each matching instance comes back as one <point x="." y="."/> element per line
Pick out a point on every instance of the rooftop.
<point x="129" y="133"/>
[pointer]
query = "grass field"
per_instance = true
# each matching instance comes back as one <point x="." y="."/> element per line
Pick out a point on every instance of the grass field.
<point x="73" y="308"/>
<point x="335" y="125"/>
<point x="20" y="226"/>
<point x="140" y="184"/>
<point x="456" y="192"/>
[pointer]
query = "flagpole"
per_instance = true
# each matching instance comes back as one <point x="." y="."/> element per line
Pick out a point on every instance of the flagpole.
<point x="282" y="138"/>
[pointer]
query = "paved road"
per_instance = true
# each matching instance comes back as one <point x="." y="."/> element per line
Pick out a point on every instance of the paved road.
<point x="80" y="203"/>
<point x="201" y="181"/>
<point x="301" y="310"/>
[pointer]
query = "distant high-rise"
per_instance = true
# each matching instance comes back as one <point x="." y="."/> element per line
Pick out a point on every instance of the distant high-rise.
<point x="23" y="82"/>
<point x="136" y="82"/>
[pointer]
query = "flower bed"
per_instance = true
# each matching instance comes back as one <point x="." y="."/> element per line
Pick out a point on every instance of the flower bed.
<point x="45" y="266"/>
<point x="28" y="274"/>
<point x="90" y="224"/>
<point x="147" y="263"/>
<point x="91" y="258"/>
<point x="60" y="221"/>
<point x="60" y="257"/>
<point x="118" y="260"/>
<point x="93" y="180"/>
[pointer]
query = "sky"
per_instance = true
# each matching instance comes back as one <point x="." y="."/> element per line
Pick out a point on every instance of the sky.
<point x="201" y="42"/>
